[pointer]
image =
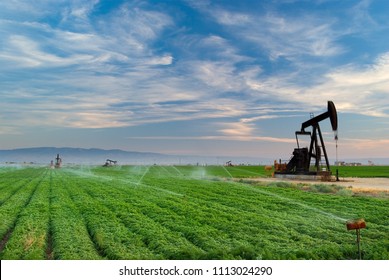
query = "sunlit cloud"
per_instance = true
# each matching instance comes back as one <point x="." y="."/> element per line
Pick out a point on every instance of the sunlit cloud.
<point x="237" y="129"/>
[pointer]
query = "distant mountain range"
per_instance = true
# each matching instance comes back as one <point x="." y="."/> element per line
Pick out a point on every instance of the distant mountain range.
<point x="44" y="155"/>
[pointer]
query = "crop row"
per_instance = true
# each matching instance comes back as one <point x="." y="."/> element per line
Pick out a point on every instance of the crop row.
<point x="292" y="216"/>
<point x="25" y="221"/>
<point x="162" y="242"/>
<point x="110" y="235"/>
<point x="42" y="222"/>
<point x="265" y="228"/>
<point x="132" y="207"/>
<point x="220" y="231"/>
<point x="13" y="199"/>
<point x="70" y="237"/>
<point x="162" y="212"/>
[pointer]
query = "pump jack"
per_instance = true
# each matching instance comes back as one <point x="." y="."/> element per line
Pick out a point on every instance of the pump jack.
<point x="58" y="162"/>
<point x="109" y="162"/>
<point x="300" y="162"/>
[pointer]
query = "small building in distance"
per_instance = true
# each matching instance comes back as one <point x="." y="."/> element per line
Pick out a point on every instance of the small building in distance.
<point x="343" y="163"/>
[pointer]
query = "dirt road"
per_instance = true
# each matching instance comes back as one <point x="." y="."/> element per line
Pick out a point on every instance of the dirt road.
<point x="379" y="184"/>
<point x="365" y="183"/>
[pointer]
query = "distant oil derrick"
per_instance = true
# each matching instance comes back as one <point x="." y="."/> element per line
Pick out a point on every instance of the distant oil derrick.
<point x="109" y="162"/>
<point x="57" y="164"/>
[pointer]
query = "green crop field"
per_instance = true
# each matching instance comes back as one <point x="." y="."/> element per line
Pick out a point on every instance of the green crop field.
<point x="179" y="212"/>
<point x="363" y="171"/>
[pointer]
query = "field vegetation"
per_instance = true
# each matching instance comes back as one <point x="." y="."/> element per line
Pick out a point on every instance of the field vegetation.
<point x="180" y="212"/>
<point x="377" y="171"/>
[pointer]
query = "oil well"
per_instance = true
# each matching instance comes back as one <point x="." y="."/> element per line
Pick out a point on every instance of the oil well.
<point x="310" y="162"/>
<point x="58" y="162"/>
<point x="109" y="162"/>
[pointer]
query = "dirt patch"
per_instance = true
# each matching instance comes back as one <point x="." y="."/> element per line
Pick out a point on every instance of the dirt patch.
<point x="49" y="247"/>
<point x="366" y="183"/>
<point x="366" y="186"/>
<point x="4" y="241"/>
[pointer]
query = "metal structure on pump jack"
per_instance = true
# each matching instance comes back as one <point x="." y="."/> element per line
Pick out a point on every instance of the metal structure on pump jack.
<point x="310" y="162"/>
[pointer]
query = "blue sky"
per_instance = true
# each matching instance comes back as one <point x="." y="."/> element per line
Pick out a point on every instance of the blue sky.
<point x="199" y="77"/>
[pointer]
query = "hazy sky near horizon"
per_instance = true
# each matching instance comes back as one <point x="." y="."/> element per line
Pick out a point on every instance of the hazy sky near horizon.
<point x="194" y="77"/>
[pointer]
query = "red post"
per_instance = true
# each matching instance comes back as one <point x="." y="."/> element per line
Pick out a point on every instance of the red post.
<point x="357" y="225"/>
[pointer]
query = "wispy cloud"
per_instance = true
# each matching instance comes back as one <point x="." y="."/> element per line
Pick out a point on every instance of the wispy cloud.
<point x="284" y="36"/>
<point x="25" y="52"/>
<point x="355" y="89"/>
<point x="91" y="69"/>
<point x="218" y="138"/>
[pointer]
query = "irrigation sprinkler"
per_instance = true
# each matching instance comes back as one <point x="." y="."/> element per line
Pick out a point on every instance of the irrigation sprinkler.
<point x="357" y="225"/>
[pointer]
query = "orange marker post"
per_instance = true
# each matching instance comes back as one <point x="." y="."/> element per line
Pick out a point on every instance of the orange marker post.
<point x="357" y="225"/>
